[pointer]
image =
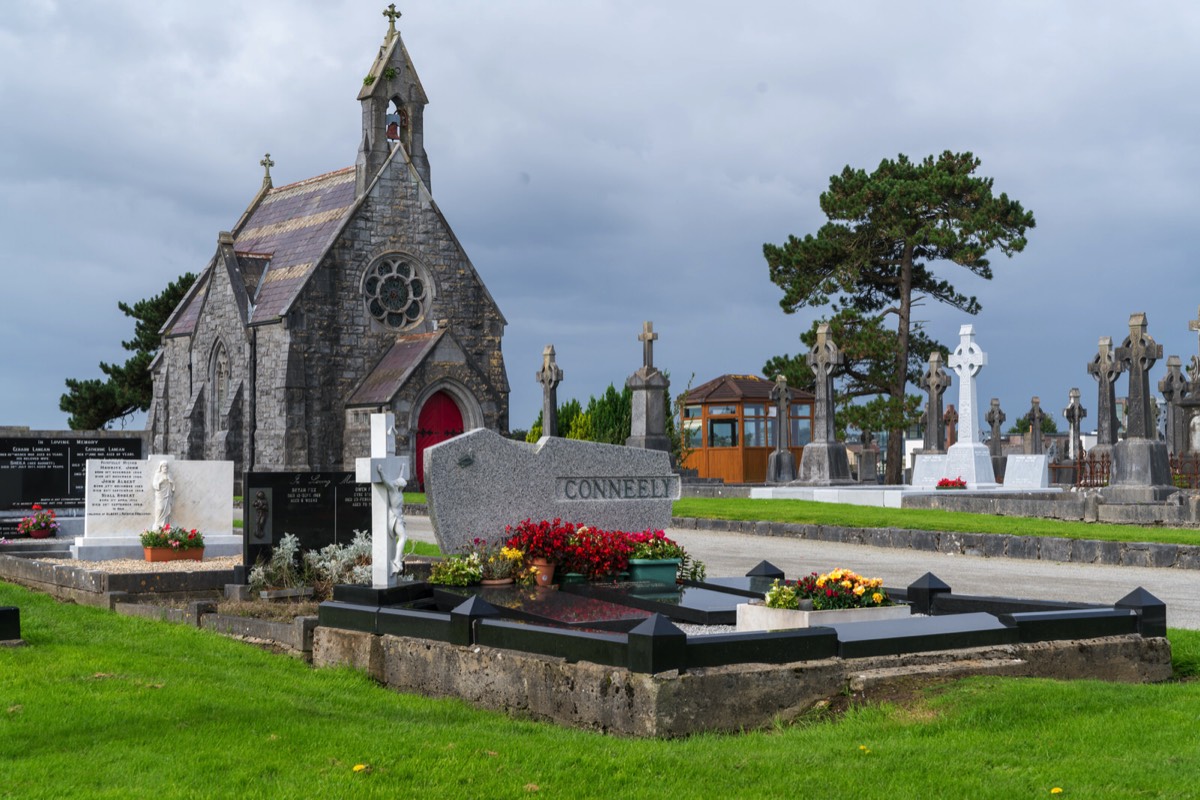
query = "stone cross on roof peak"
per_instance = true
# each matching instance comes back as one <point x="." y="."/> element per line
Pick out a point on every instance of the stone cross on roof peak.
<point x="392" y="14"/>
<point x="266" y="164"/>
<point x="647" y="337"/>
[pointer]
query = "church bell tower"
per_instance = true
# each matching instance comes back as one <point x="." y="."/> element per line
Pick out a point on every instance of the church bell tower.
<point x="393" y="108"/>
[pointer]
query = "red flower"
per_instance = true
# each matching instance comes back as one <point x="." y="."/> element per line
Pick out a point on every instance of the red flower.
<point x="36" y="507"/>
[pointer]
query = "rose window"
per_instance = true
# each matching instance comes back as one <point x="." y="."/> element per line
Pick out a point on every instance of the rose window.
<point x="395" y="292"/>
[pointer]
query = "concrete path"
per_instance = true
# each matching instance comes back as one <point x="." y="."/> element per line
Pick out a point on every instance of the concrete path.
<point x="735" y="553"/>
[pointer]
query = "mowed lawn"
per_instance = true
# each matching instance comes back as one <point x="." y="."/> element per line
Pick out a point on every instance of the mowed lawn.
<point x="100" y="705"/>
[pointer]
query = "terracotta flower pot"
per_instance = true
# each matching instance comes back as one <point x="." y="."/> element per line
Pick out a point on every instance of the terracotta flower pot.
<point x="544" y="571"/>
<point x="41" y="533"/>
<point x="172" y="554"/>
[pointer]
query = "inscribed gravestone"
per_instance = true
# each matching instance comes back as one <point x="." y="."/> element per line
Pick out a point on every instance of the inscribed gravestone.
<point x="318" y="508"/>
<point x="479" y="482"/>
<point x="1027" y="472"/>
<point x="120" y="505"/>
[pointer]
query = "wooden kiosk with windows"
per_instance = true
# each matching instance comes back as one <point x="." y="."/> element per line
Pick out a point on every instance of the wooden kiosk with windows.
<point x="729" y="423"/>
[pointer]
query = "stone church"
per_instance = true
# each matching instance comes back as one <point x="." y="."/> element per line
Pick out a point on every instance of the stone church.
<point x="330" y="299"/>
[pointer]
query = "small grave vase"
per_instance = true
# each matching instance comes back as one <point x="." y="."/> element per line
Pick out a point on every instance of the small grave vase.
<point x="657" y="570"/>
<point x="173" y="554"/>
<point x="543" y="572"/>
<point x="41" y="533"/>
<point x="756" y="617"/>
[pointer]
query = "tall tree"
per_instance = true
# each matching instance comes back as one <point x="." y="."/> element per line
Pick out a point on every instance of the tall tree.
<point x="873" y="255"/>
<point x="93" y="404"/>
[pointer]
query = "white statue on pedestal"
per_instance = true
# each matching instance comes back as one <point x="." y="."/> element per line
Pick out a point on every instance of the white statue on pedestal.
<point x="164" y="493"/>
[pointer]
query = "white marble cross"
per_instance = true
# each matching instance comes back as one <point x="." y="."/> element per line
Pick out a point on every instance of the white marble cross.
<point x="966" y="361"/>
<point x="387" y="474"/>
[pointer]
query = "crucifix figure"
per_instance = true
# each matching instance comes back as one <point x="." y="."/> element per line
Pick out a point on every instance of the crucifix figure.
<point x="647" y="337"/>
<point x="935" y="381"/>
<point x="1074" y="413"/>
<point x="967" y="360"/>
<point x="1137" y="354"/>
<point x="823" y="359"/>
<point x="1105" y="368"/>
<point x="995" y="418"/>
<point x="549" y="376"/>
<point x="386" y="472"/>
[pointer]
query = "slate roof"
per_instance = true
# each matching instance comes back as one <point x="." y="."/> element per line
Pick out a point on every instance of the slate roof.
<point x="736" y="388"/>
<point x="184" y="320"/>
<point x="293" y="225"/>
<point x="381" y="385"/>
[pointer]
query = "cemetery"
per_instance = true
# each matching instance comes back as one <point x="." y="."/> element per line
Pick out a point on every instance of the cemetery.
<point x="557" y="595"/>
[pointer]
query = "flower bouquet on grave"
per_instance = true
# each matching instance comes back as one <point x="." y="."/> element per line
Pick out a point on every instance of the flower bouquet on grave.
<point x="544" y="544"/>
<point x="952" y="483"/>
<point x="461" y="569"/>
<point x="652" y="546"/>
<point x="174" y="538"/>
<point x="498" y="562"/>
<point x="595" y="554"/>
<point x="839" y="588"/>
<point x="41" y="524"/>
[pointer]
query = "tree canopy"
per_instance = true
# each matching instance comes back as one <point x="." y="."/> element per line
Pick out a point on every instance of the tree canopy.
<point x="874" y="257"/>
<point x="94" y="403"/>
<point x="1022" y="425"/>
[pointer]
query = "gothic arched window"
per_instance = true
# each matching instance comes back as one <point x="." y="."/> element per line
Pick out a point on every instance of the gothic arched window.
<point x="218" y="385"/>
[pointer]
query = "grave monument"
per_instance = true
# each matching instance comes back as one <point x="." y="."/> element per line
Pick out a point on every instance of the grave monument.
<point x="1074" y="414"/>
<point x="995" y="419"/>
<point x="648" y="430"/>
<point x="935" y="381"/>
<point x="1105" y="368"/>
<point x="1141" y="472"/>
<point x="1035" y="417"/>
<point x="126" y="497"/>
<point x="781" y="464"/>
<point x="950" y="423"/>
<point x="968" y="458"/>
<point x="824" y="461"/>
<point x="387" y="474"/>
<point x="549" y="376"/>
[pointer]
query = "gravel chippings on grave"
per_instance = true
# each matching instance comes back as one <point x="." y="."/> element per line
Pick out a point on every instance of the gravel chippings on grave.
<point x="700" y="630"/>
<point x="128" y="565"/>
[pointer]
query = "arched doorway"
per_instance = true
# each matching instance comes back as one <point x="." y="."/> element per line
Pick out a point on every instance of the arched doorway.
<point x="440" y="419"/>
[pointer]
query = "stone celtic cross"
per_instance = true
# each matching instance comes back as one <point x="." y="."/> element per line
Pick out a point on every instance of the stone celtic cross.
<point x="549" y="376"/>
<point x="392" y="14"/>
<point x="950" y="423"/>
<point x="1034" y="418"/>
<point x="1105" y="368"/>
<point x="935" y="381"/>
<point x="823" y="359"/>
<point x="1074" y="414"/>
<point x="782" y="398"/>
<point x="967" y="361"/>
<point x="995" y="418"/>
<point x="1137" y="354"/>
<point x="386" y="472"/>
<point x="1175" y="388"/>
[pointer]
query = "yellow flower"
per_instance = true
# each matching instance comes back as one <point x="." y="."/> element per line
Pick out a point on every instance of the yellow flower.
<point x="877" y="598"/>
<point x="846" y="584"/>
<point x="1056" y="790"/>
<point x="858" y="590"/>
<point x="360" y="767"/>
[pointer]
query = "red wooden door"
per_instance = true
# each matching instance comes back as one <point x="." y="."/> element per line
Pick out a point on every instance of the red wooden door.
<point x="438" y="421"/>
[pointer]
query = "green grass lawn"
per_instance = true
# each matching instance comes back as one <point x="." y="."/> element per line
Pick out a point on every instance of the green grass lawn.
<point x="807" y="511"/>
<point x="105" y="706"/>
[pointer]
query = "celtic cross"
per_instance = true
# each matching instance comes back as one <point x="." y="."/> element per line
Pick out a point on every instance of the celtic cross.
<point x="1137" y="354"/>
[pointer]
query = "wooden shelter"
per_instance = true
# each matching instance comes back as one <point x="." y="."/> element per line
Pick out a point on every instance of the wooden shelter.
<point x="729" y="423"/>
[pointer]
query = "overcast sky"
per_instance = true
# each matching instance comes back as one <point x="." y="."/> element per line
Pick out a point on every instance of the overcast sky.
<point x="605" y="163"/>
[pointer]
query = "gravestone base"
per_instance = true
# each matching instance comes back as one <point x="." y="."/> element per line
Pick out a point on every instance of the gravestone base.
<point x="1141" y="473"/>
<point x="781" y="467"/>
<point x="973" y="463"/>
<point x="823" y="464"/>
<point x="106" y="548"/>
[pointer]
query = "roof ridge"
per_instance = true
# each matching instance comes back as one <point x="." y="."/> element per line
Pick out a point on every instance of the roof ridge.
<point x="313" y="179"/>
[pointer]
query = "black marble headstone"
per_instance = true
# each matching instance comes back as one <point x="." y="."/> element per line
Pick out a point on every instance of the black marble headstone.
<point x="318" y="508"/>
<point x="53" y="472"/>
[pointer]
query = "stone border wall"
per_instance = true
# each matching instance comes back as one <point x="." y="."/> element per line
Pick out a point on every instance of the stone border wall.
<point x="92" y="587"/>
<point x="674" y="703"/>
<point x="988" y="545"/>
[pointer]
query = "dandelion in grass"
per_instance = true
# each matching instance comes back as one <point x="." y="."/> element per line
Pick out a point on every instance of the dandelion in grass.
<point x="862" y="748"/>
<point x="1056" y="790"/>
<point x="362" y="767"/>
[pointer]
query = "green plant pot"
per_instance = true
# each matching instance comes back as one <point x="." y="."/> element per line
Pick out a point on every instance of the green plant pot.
<point x="658" y="570"/>
<point x="572" y="577"/>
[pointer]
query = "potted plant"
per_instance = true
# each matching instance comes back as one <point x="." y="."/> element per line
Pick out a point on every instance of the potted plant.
<point x="172" y="544"/>
<point x="952" y="483"/>
<point x="41" y="524"/>
<point x="654" y="557"/>
<point x="836" y="596"/>
<point x="544" y="543"/>
<point x="460" y="569"/>
<point x="594" y="555"/>
<point x="499" y="563"/>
